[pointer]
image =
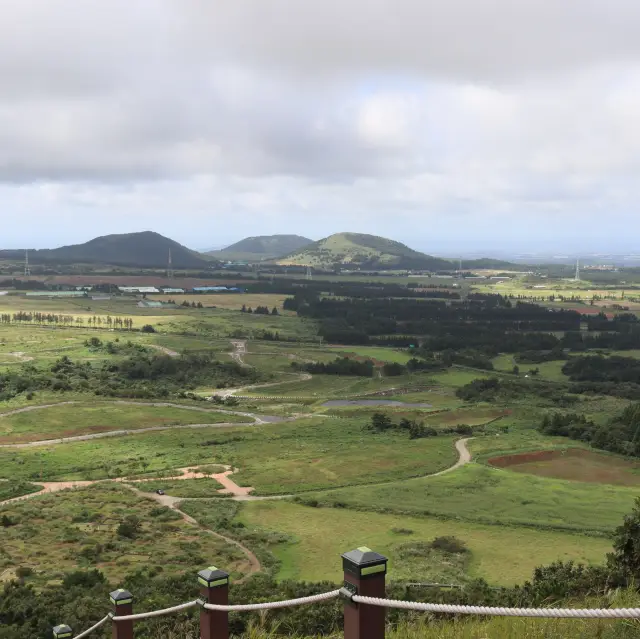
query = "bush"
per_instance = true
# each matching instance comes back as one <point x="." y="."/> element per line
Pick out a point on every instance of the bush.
<point x="451" y="545"/>
<point x="130" y="527"/>
<point x="147" y="328"/>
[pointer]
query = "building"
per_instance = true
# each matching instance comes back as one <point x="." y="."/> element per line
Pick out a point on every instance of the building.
<point x="172" y="291"/>
<point x="56" y="294"/>
<point x="100" y="298"/>
<point x="149" y="304"/>
<point x="138" y="289"/>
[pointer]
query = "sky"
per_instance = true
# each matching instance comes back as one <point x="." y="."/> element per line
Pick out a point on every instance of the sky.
<point x="457" y="126"/>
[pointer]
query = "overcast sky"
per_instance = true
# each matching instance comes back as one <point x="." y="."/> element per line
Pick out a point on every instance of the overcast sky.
<point x="449" y="124"/>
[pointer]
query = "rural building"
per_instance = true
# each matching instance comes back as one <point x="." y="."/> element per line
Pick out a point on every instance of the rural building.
<point x="149" y="304"/>
<point x="56" y="294"/>
<point x="138" y="289"/>
<point x="100" y="298"/>
<point x="173" y="290"/>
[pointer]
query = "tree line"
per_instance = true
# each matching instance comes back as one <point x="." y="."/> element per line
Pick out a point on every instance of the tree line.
<point x="66" y="320"/>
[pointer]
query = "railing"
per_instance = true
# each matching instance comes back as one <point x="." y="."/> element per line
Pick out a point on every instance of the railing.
<point x="364" y="604"/>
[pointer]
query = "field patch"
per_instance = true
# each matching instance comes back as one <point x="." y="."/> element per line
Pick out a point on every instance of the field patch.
<point x="186" y="488"/>
<point x="321" y="535"/>
<point x="68" y="420"/>
<point x="576" y="464"/>
<point x="489" y="495"/>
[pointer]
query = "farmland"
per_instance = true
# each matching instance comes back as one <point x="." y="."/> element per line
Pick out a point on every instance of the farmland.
<point x="305" y="443"/>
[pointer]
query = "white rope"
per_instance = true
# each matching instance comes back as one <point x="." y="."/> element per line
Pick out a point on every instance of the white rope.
<point x="157" y="613"/>
<point x="555" y="613"/>
<point x="274" y="604"/>
<point x="88" y="632"/>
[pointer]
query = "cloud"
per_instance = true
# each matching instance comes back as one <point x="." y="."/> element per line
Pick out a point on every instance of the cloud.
<point x="319" y="114"/>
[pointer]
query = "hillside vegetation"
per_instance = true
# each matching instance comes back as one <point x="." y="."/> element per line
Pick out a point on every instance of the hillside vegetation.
<point x="262" y="247"/>
<point x="146" y="249"/>
<point x="364" y="251"/>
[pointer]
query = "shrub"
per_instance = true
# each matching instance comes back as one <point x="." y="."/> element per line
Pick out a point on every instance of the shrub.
<point x="130" y="527"/>
<point x="147" y="328"/>
<point x="449" y="544"/>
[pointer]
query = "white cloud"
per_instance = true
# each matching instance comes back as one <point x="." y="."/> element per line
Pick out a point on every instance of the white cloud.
<point x="314" y="117"/>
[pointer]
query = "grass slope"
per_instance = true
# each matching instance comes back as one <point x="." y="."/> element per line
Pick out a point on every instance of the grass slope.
<point x="78" y="419"/>
<point x="321" y="535"/>
<point x="494" y="496"/>
<point x="359" y="249"/>
<point x="278" y="458"/>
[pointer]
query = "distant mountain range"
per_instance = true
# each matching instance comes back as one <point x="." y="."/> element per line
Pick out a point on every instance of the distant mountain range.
<point x="262" y="247"/>
<point x="359" y="250"/>
<point x="342" y="250"/>
<point x="145" y="250"/>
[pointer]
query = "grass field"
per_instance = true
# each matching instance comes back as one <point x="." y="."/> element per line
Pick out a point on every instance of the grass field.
<point x="232" y="301"/>
<point x="320" y="535"/>
<point x="79" y="419"/>
<point x="78" y="530"/>
<point x="478" y="493"/>
<point x="277" y="458"/>
<point x="187" y="488"/>
<point x="575" y="464"/>
<point x="341" y="386"/>
<point x="376" y="353"/>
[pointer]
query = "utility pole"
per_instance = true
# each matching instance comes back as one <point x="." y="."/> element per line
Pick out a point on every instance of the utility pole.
<point x="170" y="267"/>
<point x="578" y="270"/>
<point x="27" y="270"/>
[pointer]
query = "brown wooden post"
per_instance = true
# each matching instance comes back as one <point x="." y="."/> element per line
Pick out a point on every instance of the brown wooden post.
<point x="62" y="631"/>
<point x="122" y="601"/>
<point x="214" y="588"/>
<point x="364" y="575"/>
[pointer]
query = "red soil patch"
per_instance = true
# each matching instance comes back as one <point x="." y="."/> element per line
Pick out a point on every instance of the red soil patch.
<point x="576" y="464"/>
<point x="506" y="461"/>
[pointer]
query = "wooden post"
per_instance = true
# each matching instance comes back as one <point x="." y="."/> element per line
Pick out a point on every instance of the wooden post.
<point x="122" y="601"/>
<point x="364" y="575"/>
<point x="62" y="631"/>
<point x="214" y="588"/>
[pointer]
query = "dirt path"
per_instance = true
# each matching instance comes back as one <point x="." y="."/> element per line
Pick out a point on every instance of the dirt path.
<point x="464" y="457"/>
<point x="239" y="349"/>
<point x="174" y="504"/>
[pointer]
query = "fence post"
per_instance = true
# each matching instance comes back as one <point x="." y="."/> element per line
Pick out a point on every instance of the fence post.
<point x="214" y="588"/>
<point x="364" y="575"/>
<point x="62" y="631"/>
<point x="122" y="601"/>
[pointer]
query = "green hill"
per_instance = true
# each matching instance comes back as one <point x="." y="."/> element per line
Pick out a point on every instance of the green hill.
<point x="365" y="252"/>
<point x="146" y="249"/>
<point x="262" y="247"/>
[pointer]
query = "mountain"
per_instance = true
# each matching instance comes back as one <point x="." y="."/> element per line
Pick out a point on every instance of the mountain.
<point x="363" y="251"/>
<point x="146" y="250"/>
<point x="262" y="247"/>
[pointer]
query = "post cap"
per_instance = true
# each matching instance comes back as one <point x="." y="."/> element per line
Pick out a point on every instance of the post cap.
<point x="364" y="562"/>
<point x="120" y="597"/>
<point x="62" y="631"/>
<point x="213" y="577"/>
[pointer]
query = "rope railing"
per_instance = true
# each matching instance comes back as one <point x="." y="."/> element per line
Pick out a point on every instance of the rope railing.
<point x="364" y="604"/>
<point x="546" y="613"/>
<point x="157" y="613"/>
<point x="100" y="623"/>
<point x="270" y="605"/>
